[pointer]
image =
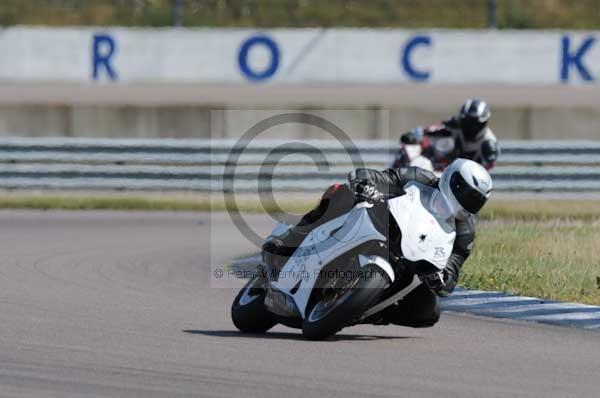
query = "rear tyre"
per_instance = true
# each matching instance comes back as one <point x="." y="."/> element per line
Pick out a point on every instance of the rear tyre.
<point x="326" y="317"/>
<point x="248" y="311"/>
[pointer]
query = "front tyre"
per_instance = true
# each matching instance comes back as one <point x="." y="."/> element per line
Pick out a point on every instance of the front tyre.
<point x="248" y="311"/>
<point x="327" y="316"/>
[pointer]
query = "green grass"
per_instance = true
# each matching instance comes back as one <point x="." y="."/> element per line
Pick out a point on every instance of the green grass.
<point x="140" y="202"/>
<point x="557" y="260"/>
<point x="50" y="202"/>
<point x="516" y="14"/>
<point x="542" y="210"/>
<point x="522" y="210"/>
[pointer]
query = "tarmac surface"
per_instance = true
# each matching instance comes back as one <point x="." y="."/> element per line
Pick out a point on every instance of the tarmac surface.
<point x="123" y="304"/>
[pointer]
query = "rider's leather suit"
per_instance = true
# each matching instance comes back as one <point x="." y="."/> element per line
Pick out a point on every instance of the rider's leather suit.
<point x="420" y="308"/>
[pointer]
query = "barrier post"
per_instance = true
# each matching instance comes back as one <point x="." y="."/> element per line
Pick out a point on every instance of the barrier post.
<point x="176" y="12"/>
<point x="491" y="17"/>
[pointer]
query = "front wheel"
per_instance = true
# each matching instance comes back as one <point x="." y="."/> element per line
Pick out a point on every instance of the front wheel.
<point x="248" y="311"/>
<point x="332" y="312"/>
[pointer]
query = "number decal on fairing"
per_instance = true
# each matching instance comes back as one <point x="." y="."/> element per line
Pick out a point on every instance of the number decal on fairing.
<point x="439" y="252"/>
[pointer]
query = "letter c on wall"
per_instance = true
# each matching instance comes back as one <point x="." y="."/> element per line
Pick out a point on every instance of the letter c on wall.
<point x="413" y="72"/>
<point x="260" y="40"/>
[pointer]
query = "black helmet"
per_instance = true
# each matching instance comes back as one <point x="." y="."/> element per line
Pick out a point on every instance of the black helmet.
<point x="473" y="116"/>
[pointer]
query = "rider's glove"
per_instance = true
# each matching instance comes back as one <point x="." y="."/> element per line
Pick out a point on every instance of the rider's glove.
<point x="366" y="191"/>
<point x="450" y="280"/>
<point x="442" y="283"/>
<point x="361" y="185"/>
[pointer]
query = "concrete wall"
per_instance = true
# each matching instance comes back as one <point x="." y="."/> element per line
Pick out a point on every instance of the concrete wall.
<point x="121" y="56"/>
<point x="203" y="122"/>
<point x="373" y="83"/>
<point x="135" y="122"/>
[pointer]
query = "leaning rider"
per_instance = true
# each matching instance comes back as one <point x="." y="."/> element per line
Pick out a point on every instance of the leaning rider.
<point x="465" y="135"/>
<point x="465" y="184"/>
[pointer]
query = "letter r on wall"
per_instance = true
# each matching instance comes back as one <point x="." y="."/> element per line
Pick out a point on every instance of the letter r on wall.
<point x="103" y="50"/>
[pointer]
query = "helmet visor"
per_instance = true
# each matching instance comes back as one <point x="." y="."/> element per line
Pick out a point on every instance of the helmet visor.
<point x="469" y="198"/>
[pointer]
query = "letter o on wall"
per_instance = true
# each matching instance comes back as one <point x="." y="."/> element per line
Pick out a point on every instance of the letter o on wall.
<point x="260" y="40"/>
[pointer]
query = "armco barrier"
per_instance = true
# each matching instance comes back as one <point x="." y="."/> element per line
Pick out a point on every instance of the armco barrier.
<point x="208" y="165"/>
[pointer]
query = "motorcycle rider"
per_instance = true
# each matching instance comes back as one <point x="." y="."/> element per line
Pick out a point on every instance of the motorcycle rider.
<point x="465" y="184"/>
<point x="465" y="135"/>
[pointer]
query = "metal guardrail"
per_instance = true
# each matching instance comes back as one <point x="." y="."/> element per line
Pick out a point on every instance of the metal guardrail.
<point x="208" y="165"/>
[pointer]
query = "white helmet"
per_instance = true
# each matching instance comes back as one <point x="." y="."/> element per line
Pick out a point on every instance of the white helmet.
<point x="466" y="186"/>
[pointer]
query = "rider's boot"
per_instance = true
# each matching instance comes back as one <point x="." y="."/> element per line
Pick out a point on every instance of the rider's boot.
<point x="382" y="317"/>
<point x="420" y="309"/>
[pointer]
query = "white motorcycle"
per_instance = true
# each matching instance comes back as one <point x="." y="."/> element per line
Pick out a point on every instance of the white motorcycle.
<point x="353" y="266"/>
<point x="411" y="155"/>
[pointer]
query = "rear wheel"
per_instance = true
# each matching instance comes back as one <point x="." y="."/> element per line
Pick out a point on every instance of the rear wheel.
<point x="248" y="311"/>
<point x="336" y="308"/>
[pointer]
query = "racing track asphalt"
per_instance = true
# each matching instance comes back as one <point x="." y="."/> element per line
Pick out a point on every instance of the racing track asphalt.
<point x="120" y="304"/>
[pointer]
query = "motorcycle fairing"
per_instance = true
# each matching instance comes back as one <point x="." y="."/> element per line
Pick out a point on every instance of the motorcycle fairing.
<point x="427" y="234"/>
<point x="279" y="230"/>
<point x="322" y="245"/>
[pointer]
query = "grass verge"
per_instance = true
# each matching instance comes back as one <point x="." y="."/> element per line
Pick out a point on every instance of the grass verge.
<point x="558" y="260"/>
<point x="518" y="210"/>
<point x="139" y="202"/>
<point x="52" y="202"/>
